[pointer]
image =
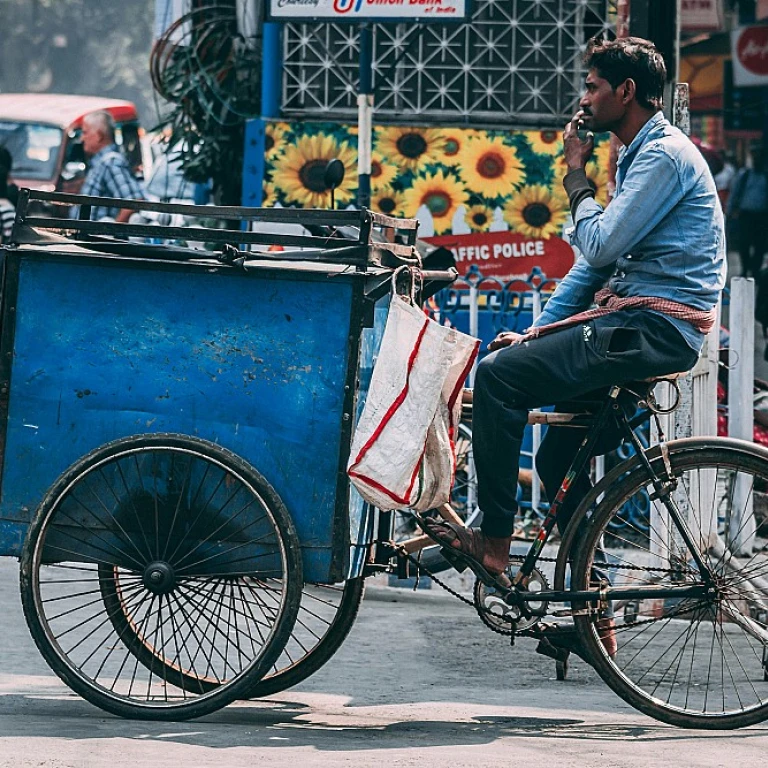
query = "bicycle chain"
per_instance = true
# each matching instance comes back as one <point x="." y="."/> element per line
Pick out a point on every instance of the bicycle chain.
<point x="519" y="633"/>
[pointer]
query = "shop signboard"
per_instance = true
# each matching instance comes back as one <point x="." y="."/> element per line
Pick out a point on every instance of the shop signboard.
<point x="701" y="15"/>
<point x="749" y="51"/>
<point x="368" y="10"/>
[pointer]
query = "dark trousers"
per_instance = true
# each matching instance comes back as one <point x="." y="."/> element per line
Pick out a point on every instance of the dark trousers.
<point x="613" y="349"/>
<point x="752" y="237"/>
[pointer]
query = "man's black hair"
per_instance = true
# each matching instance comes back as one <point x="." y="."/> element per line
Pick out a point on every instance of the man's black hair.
<point x="630" y="57"/>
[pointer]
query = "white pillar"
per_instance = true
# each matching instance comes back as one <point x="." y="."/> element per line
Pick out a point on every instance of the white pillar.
<point x="741" y="377"/>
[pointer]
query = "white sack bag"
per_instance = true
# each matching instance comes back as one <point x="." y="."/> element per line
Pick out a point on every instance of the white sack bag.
<point x="402" y="452"/>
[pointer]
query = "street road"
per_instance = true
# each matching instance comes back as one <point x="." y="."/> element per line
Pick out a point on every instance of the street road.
<point x="419" y="682"/>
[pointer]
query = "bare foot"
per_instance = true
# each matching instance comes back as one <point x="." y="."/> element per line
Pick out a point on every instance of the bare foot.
<point x="496" y="555"/>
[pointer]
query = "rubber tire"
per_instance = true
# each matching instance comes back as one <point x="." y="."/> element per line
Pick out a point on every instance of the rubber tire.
<point x="686" y="453"/>
<point x="222" y="694"/>
<point x="329" y="643"/>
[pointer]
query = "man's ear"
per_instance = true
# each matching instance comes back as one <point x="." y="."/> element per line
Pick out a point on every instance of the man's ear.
<point x="630" y="89"/>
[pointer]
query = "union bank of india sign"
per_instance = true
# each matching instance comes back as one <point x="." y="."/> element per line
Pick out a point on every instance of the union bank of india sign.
<point x="367" y="10"/>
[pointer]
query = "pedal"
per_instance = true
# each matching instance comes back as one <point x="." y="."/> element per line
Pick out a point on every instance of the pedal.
<point x="556" y="652"/>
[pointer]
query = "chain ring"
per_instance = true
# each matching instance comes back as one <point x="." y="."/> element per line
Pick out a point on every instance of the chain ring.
<point x="504" y="618"/>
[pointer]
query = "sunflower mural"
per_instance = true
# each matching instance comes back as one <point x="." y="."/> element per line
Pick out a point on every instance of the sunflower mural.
<point x="491" y="167"/>
<point x="299" y="173"/>
<point x="457" y="181"/>
<point x="275" y="139"/>
<point x="410" y="148"/>
<point x="388" y="201"/>
<point x="479" y="218"/>
<point x="535" y="211"/>
<point x="441" y="193"/>
<point x="547" y="142"/>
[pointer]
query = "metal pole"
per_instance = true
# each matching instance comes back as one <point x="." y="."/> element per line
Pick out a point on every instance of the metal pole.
<point x="536" y="429"/>
<point x="741" y="377"/>
<point x="365" y="117"/>
<point x="272" y="69"/>
<point x="254" y="164"/>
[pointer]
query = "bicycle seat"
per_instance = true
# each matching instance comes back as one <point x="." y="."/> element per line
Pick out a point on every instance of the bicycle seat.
<point x="667" y="377"/>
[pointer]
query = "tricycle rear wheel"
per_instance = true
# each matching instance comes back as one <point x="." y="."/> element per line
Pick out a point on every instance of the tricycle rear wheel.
<point x="139" y="571"/>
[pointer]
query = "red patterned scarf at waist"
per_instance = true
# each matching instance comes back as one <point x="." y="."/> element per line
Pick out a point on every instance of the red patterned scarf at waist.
<point x="607" y="301"/>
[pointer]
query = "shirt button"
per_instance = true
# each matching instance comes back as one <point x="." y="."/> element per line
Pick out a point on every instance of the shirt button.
<point x="629" y="256"/>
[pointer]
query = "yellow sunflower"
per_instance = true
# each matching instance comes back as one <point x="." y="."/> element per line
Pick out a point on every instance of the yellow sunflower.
<point x="441" y="194"/>
<point x="547" y="142"/>
<point x="479" y="218"/>
<point x="410" y="148"/>
<point x="299" y="172"/>
<point x="602" y="154"/>
<point x="269" y="195"/>
<point x="388" y="201"/>
<point x="382" y="172"/>
<point x="535" y="211"/>
<point x="597" y="176"/>
<point x="491" y="168"/>
<point x="455" y="140"/>
<point x="274" y="141"/>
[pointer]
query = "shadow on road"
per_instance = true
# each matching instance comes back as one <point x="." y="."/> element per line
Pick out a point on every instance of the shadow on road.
<point x="293" y="724"/>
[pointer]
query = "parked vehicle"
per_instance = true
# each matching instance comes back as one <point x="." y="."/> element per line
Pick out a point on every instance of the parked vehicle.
<point x="42" y="132"/>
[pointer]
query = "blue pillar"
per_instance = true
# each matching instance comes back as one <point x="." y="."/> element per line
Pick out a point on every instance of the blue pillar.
<point x="254" y="165"/>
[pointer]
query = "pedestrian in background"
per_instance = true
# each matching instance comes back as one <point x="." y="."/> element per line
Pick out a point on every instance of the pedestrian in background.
<point x="7" y="209"/>
<point x="747" y="209"/>
<point x="109" y="174"/>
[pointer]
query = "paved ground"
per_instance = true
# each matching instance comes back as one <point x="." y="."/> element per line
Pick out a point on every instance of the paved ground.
<point x="418" y="683"/>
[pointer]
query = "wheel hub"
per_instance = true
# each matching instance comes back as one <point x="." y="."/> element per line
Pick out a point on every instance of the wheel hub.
<point x="159" y="577"/>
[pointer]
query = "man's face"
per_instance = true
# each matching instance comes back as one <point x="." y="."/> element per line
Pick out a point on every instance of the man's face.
<point x="602" y="105"/>
<point x="93" y="139"/>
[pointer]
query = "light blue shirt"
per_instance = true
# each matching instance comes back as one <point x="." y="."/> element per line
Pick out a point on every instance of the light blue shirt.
<point x="662" y="235"/>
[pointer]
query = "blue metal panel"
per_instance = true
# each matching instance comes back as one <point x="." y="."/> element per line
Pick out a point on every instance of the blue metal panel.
<point x="105" y="349"/>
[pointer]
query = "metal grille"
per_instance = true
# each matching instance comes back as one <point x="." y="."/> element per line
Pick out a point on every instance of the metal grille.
<point x="517" y="62"/>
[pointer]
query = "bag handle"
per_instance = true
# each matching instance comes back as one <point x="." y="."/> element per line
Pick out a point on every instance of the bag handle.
<point x="416" y="282"/>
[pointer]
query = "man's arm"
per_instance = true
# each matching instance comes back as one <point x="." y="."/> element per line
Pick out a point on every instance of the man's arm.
<point x="574" y="293"/>
<point x="650" y="191"/>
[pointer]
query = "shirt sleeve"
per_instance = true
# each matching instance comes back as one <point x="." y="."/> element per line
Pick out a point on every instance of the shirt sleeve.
<point x="651" y="189"/>
<point x="574" y="293"/>
<point x="119" y="182"/>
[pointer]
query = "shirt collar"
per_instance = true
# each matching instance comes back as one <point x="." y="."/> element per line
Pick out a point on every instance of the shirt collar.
<point x="105" y="151"/>
<point x="642" y="135"/>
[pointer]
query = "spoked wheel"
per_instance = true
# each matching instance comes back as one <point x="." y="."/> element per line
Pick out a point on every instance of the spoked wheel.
<point x="326" y="615"/>
<point x="695" y="661"/>
<point x="463" y="501"/>
<point x="161" y="577"/>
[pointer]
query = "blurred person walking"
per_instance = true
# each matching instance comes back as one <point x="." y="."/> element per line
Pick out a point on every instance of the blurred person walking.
<point x="7" y="208"/>
<point x="747" y="209"/>
<point x="109" y="174"/>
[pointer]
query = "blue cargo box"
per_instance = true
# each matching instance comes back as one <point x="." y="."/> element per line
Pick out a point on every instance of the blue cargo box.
<point x="261" y="361"/>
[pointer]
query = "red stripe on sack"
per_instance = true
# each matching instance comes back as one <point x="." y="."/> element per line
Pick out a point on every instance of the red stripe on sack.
<point x="378" y="486"/>
<point x="399" y="399"/>
<point x="386" y="419"/>
<point x="452" y="401"/>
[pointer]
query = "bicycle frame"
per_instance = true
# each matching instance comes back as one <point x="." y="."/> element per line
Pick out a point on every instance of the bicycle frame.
<point x="662" y="490"/>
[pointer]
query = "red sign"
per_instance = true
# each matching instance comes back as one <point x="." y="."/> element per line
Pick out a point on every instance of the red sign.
<point x="749" y="46"/>
<point x="507" y="255"/>
<point x="752" y="50"/>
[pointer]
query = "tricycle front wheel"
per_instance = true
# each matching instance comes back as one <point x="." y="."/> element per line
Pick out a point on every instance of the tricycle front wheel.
<point x="161" y="577"/>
